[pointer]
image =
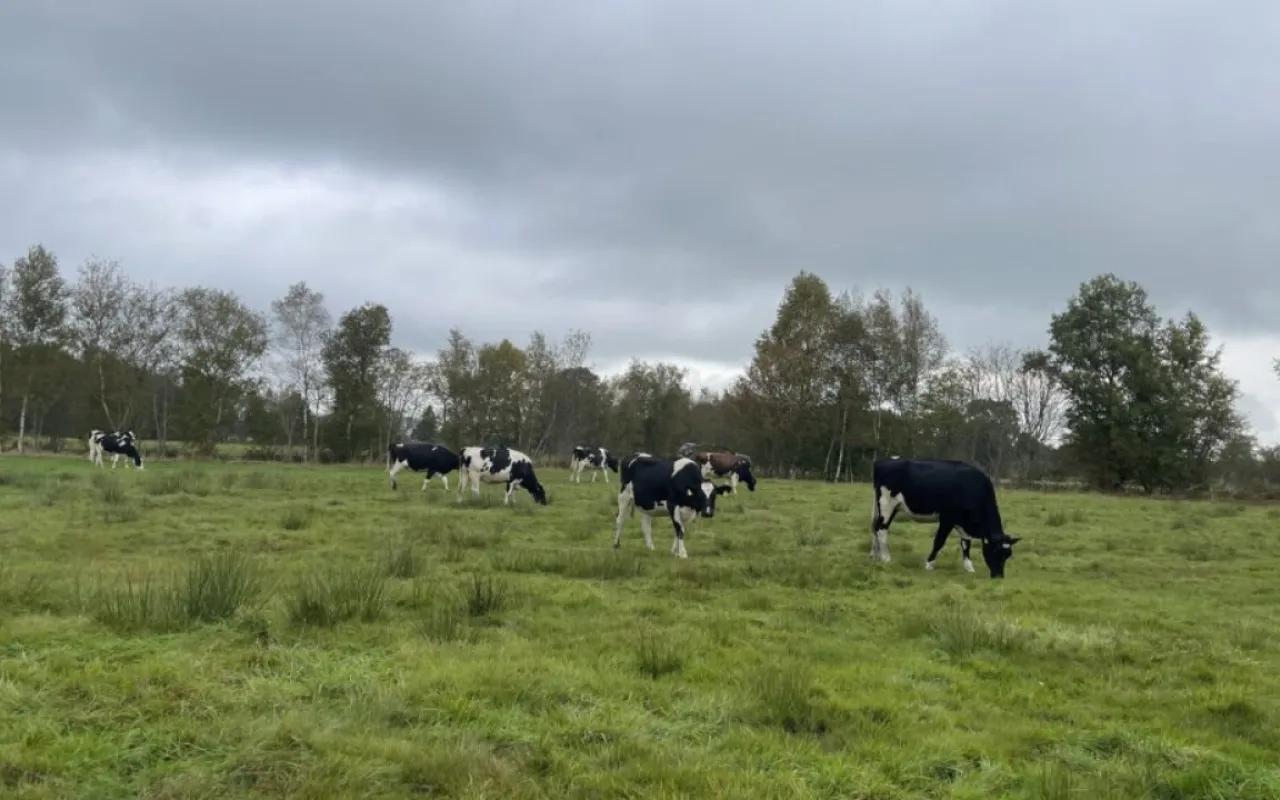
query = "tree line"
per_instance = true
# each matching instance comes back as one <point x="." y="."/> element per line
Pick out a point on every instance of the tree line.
<point x="1119" y="399"/>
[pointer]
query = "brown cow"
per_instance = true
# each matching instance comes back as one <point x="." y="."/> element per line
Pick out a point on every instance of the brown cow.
<point x="721" y="463"/>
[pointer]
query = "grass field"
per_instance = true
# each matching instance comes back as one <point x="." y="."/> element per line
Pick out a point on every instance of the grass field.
<point x="234" y="630"/>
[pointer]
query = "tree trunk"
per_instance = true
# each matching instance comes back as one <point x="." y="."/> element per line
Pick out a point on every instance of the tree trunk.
<point x="844" y="427"/>
<point x="22" y="421"/>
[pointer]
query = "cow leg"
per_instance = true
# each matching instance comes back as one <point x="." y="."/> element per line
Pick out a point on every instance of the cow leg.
<point x="464" y="477"/>
<point x="626" y="505"/>
<point x="444" y="479"/>
<point x="646" y="527"/>
<point x="880" y="530"/>
<point x="575" y="472"/>
<point x="114" y="458"/>
<point x="428" y="477"/>
<point x="939" y="541"/>
<point x="677" y="544"/>
<point x="594" y="473"/>
<point x="511" y="487"/>
<point x="395" y="469"/>
<point x="965" y="541"/>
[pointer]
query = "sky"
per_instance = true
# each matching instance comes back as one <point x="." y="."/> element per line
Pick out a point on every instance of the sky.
<point x="657" y="172"/>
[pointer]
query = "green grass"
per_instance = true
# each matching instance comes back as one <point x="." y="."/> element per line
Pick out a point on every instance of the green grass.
<point x="233" y="630"/>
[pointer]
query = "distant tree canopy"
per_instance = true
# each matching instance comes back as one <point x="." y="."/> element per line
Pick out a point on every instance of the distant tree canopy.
<point x="1118" y="398"/>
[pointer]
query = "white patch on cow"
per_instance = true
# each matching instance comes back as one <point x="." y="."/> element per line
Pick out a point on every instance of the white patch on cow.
<point x="395" y="470"/>
<point x="627" y="507"/>
<point x="968" y="565"/>
<point x="677" y="541"/>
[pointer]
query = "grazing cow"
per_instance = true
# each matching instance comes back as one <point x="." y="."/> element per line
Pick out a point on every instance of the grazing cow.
<point x="951" y="493"/>
<point x="498" y="465"/>
<point x="419" y="456"/>
<point x="596" y="457"/>
<point x="657" y="485"/>
<point x="721" y="463"/>
<point x="117" y="443"/>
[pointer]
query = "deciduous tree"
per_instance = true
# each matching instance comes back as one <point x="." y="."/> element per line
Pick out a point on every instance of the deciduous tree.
<point x="221" y="340"/>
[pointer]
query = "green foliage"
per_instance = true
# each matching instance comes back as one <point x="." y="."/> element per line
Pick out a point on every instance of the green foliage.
<point x="1148" y="402"/>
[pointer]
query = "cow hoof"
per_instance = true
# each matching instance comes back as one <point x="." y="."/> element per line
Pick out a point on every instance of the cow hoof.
<point x="968" y="565"/>
<point x="928" y="565"/>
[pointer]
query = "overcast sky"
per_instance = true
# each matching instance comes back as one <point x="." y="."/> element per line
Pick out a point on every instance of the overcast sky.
<point x="656" y="172"/>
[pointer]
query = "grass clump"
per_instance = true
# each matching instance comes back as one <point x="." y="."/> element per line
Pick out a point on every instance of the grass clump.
<point x="217" y="586"/>
<point x="297" y="518"/>
<point x="213" y="588"/>
<point x="326" y="597"/>
<point x="785" y="696"/>
<point x="657" y="656"/>
<point x="961" y="632"/>
<point x="487" y="595"/>
<point x="402" y="560"/>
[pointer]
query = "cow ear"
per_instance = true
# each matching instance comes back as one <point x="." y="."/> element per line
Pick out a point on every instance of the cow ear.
<point x="1014" y="540"/>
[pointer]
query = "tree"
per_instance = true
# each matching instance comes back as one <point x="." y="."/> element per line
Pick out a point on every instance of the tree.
<point x="402" y="386"/>
<point x="221" y="341"/>
<point x="301" y="323"/>
<point x="36" y="309"/>
<point x="352" y="355"/>
<point x="1035" y="397"/>
<point x="1147" y="402"/>
<point x="428" y="426"/>
<point x="788" y="382"/>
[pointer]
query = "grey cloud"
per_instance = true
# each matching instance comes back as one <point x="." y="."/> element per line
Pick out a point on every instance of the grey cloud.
<point x="990" y="154"/>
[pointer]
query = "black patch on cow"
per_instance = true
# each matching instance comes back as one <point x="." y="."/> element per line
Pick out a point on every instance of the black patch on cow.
<point x="435" y="459"/>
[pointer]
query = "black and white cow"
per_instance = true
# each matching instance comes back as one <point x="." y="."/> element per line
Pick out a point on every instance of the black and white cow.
<point x="498" y="465"/>
<point x="659" y="485"/>
<point x="117" y="443"/>
<point x="419" y="456"/>
<point x="597" y="457"/>
<point x="952" y="493"/>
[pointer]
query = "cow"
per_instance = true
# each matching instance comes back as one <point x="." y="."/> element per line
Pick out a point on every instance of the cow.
<point x="658" y="485"/>
<point x="418" y="456"/>
<point x="951" y="493"/>
<point x="721" y="463"/>
<point x="118" y="443"/>
<point x="596" y="457"/>
<point x="498" y="465"/>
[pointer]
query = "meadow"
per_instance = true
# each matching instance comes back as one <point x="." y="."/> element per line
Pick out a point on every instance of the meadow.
<point x="206" y="630"/>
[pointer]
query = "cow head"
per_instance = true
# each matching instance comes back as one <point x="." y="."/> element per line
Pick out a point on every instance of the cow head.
<point x="996" y="551"/>
<point x="708" y="492"/>
<point x="535" y="489"/>
<point x="611" y="461"/>
<point x="743" y="468"/>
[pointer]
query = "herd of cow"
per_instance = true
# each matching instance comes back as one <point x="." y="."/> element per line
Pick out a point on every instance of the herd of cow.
<point x="953" y="494"/>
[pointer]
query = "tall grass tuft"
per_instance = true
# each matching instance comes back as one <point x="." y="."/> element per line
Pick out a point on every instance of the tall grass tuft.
<point x="217" y="586"/>
<point x="487" y="595"/>
<point x="211" y="589"/>
<point x="136" y="604"/>
<point x="786" y="697"/>
<point x="402" y="560"/>
<point x="656" y="656"/>
<point x="297" y="518"/>
<point x="324" y="598"/>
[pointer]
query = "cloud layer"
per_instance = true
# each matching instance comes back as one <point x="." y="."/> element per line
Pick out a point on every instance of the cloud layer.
<point x="655" y="172"/>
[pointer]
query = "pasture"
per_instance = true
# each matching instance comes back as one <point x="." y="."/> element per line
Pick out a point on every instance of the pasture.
<point x="242" y="630"/>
